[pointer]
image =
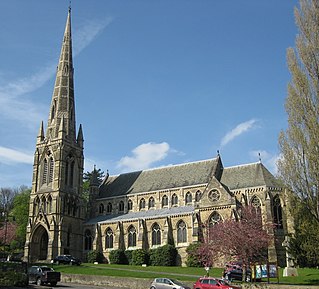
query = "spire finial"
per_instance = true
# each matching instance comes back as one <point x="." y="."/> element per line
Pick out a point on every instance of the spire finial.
<point x="70" y="6"/>
<point x="259" y="157"/>
<point x="218" y="153"/>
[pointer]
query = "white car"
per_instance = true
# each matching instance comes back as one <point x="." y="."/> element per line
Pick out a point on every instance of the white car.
<point x="166" y="283"/>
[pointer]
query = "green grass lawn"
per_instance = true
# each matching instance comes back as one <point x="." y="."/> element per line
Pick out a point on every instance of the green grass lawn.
<point x="306" y="276"/>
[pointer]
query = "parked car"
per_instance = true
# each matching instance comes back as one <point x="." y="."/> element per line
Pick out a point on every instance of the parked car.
<point x="234" y="271"/>
<point x="166" y="283"/>
<point x="67" y="259"/>
<point x="213" y="283"/>
<point x="43" y="275"/>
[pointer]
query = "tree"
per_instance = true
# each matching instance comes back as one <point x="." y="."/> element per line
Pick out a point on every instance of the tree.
<point x="299" y="143"/>
<point x="244" y="240"/>
<point x="6" y="198"/>
<point x="20" y="212"/>
<point x="304" y="243"/>
<point x="95" y="177"/>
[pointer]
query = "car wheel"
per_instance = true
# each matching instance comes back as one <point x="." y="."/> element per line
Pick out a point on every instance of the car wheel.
<point x="153" y="287"/>
<point x="53" y="284"/>
<point x="39" y="282"/>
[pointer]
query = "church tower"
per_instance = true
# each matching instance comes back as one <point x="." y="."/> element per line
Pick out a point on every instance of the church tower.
<point x="56" y="211"/>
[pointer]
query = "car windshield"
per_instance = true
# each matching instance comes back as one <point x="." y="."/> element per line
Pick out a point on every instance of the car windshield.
<point x="46" y="269"/>
<point x="176" y="282"/>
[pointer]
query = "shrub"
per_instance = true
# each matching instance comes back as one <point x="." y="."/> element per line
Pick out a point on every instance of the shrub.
<point x="139" y="257"/>
<point x="128" y="256"/>
<point x="95" y="256"/>
<point x="192" y="255"/>
<point x="12" y="278"/>
<point x="117" y="257"/>
<point x="163" y="256"/>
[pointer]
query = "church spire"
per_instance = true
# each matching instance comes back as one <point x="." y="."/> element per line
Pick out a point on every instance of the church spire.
<point x="62" y="104"/>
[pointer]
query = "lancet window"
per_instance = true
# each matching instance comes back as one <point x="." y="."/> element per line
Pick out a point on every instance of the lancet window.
<point x="156" y="235"/>
<point x="188" y="198"/>
<point x="88" y="240"/>
<point x="131" y="237"/>
<point x="174" y="200"/>
<point x="164" y="201"/>
<point x="277" y="211"/>
<point x="181" y="232"/>
<point x="142" y="204"/>
<point x="109" y="238"/>
<point x="151" y="203"/>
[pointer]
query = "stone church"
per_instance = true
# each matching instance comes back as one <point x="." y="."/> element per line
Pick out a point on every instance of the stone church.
<point x="143" y="209"/>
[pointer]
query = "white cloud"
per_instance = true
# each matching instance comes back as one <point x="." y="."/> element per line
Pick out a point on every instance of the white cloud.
<point x="88" y="32"/>
<point x="237" y="131"/>
<point x="14" y="107"/>
<point x="10" y="156"/>
<point x="144" y="156"/>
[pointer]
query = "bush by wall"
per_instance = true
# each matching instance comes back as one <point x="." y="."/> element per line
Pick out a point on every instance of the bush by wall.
<point x="117" y="257"/>
<point x="192" y="255"/>
<point x="139" y="257"/>
<point x="128" y="256"/>
<point x="163" y="256"/>
<point x="95" y="256"/>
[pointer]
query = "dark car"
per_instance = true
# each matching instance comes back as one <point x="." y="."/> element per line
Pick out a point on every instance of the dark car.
<point x="234" y="271"/>
<point x="167" y="283"/>
<point x="213" y="283"/>
<point x="67" y="259"/>
<point x="43" y="275"/>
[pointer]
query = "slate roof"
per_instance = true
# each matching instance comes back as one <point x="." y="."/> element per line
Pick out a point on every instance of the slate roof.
<point x="246" y="176"/>
<point x="175" y="176"/>
<point x="149" y="214"/>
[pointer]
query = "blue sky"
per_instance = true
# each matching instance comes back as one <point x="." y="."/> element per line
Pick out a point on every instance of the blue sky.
<point x="156" y="82"/>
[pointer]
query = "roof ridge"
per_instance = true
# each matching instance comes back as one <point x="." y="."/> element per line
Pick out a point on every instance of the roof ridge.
<point x="165" y="166"/>
<point x="243" y="165"/>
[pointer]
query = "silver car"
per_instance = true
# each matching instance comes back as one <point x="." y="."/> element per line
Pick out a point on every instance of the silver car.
<point x="165" y="283"/>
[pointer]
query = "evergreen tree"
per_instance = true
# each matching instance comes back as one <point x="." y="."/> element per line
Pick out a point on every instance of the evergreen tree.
<point x="89" y="178"/>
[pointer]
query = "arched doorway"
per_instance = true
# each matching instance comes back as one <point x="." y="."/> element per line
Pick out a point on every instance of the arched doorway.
<point x="39" y="244"/>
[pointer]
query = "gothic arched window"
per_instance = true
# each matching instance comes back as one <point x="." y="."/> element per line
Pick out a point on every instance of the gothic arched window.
<point x="156" y="235"/>
<point x="49" y="205"/>
<point x="181" y="232"/>
<point x="142" y="204"/>
<point x="129" y="205"/>
<point x="109" y="238"/>
<point x="277" y="209"/>
<point x="131" y="237"/>
<point x="101" y="208"/>
<point x="88" y="240"/>
<point x="215" y="218"/>
<point x="109" y="208"/>
<point x="72" y="174"/>
<point x="164" y="201"/>
<point x="198" y="196"/>
<point x="174" y="200"/>
<point x="121" y="206"/>
<point x="151" y="203"/>
<point x="45" y="171"/>
<point x="188" y="198"/>
<point x="36" y="205"/>
<point x="51" y="170"/>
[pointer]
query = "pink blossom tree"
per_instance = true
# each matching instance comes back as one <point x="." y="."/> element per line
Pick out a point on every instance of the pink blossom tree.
<point x="245" y="239"/>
